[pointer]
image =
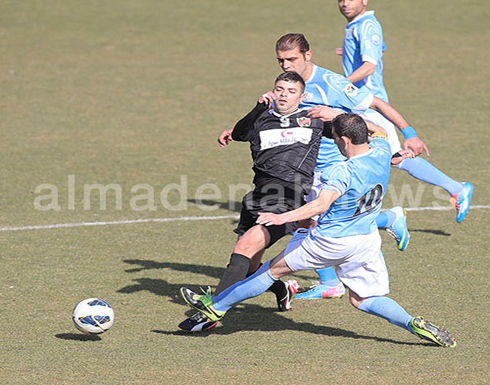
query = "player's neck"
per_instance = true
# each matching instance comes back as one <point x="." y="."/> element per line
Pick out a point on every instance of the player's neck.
<point x="307" y="74"/>
<point x="356" y="149"/>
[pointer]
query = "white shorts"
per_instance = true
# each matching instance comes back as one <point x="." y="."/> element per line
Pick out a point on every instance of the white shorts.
<point x="358" y="260"/>
<point x="391" y="130"/>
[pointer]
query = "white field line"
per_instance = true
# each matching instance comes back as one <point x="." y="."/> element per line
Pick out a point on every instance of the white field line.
<point x="178" y="219"/>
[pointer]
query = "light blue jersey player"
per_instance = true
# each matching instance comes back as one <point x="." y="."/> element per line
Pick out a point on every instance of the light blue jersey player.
<point x="363" y="43"/>
<point x="346" y="238"/>
<point x="328" y="88"/>
<point x="363" y="65"/>
<point x="359" y="202"/>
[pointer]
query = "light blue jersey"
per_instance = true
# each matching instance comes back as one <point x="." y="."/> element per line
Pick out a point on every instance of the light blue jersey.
<point x="328" y="88"/>
<point x="363" y="42"/>
<point x="361" y="182"/>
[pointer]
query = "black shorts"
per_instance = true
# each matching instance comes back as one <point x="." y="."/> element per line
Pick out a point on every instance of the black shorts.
<point x="255" y="202"/>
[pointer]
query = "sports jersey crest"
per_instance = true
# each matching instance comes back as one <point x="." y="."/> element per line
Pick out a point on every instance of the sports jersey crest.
<point x="304" y="121"/>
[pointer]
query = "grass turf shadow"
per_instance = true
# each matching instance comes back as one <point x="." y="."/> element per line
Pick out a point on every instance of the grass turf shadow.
<point x="248" y="317"/>
<point x="78" y="337"/>
<point x="232" y="206"/>
<point x="210" y="271"/>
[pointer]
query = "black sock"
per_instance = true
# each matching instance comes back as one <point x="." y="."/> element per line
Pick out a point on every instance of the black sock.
<point x="279" y="289"/>
<point x="236" y="271"/>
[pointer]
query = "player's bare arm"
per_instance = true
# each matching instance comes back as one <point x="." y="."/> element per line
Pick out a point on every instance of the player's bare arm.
<point x="362" y="72"/>
<point x="315" y="207"/>
<point x="389" y="112"/>
<point x="324" y="113"/>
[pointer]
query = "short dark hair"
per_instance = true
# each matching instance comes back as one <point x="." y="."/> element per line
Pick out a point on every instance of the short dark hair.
<point x="291" y="77"/>
<point x="291" y="41"/>
<point x="352" y="126"/>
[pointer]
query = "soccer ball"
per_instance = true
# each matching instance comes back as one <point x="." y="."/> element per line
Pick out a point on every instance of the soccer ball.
<point x="93" y="316"/>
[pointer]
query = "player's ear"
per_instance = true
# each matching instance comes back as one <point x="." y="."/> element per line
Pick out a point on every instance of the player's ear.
<point x="308" y="55"/>
<point x="302" y="99"/>
<point x="365" y="2"/>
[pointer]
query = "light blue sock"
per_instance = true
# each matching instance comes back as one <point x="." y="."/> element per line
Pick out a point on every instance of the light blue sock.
<point x="385" y="219"/>
<point x="421" y="169"/>
<point x="250" y="287"/>
<point x="388" y="309"/>
<point x="328" y="276"/>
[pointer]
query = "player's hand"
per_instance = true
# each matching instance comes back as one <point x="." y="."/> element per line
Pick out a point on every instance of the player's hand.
<point x="416" y="145"/>
<point x="269" y="219"/>
<point x="225" y="138"/>
<point x="401" y="155"/>
<point x="324" y="113"/>
<point x="268" y="98"/>
<point x="339" y="51"/>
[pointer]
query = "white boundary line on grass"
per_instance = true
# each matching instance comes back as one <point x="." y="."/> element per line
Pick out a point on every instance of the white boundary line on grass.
<point x="178" y="219"/>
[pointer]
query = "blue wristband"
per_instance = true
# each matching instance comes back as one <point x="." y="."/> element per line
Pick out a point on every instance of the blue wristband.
<point x="408" y="132"/>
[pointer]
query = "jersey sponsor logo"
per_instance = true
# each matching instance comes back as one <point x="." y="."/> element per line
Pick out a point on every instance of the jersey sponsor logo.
<point x="304" y="121"/>
<point x="277" y="137"/>
<point x="350" y="90"/>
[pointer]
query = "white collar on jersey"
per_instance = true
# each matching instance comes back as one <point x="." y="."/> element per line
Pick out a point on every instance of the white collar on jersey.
<point x="283" y="116"/>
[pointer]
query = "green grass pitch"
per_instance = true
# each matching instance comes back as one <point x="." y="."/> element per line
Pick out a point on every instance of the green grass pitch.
<point x="131" y="96"/>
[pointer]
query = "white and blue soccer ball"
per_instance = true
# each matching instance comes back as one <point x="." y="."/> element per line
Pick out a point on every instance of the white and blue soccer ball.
<point x="93" y="316"/>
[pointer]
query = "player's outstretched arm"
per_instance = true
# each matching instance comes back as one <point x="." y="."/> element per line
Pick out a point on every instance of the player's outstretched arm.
<point x="416" y="145"/>
<point x="324" y="113"/>
<point x="412" y="142"/>
<point x="315" y="207"/>
<point x="242" y="129"/>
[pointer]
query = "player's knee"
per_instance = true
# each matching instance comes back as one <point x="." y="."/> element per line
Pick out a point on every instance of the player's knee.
<point x="253" y="241"/>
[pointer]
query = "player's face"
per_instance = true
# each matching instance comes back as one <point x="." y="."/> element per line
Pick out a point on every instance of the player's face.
<point x="288" y="96"/>
<point x="295" y="61"/>
<point x="352" y="8"/>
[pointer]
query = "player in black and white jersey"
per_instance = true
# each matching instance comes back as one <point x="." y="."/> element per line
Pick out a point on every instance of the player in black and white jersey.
<point x="284" y="143"/>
